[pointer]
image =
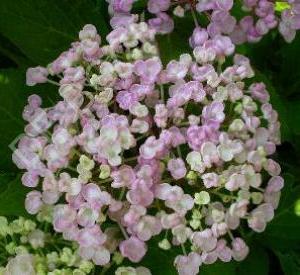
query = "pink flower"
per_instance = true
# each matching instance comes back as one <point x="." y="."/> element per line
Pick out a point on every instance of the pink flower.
<point x="133" y="249"/>
<point x="122" y="5"/>
<point x="148" y="70"/>
<point x="30" y="179"/>
<point x="163" y="23"/>
<point x="33" y="202"/>
<point x="89" y="32"/>
<point x="36" y="75"/>
<point x="124" y="176"/>
<point x="151" y="148"/>
<point x="177" y="168"/>
<point x="156" y="6"/>
<point x="63" y="217"/>
<point x="91" y="237"/>
<point x="239" y="249"/>
<point x="141" y="195"/>
<point x="188" y="265"/>
<point x="147" y="227"/>
<point x="205" y="240"/>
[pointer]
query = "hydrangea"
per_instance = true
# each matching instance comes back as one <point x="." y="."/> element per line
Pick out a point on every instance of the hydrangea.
<point x="32" y="248"/>
<point x="134" y="148"/>
<point x="256" y="19"/>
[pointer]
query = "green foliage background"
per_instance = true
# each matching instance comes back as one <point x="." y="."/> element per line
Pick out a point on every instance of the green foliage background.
<point x="34" y="32"/>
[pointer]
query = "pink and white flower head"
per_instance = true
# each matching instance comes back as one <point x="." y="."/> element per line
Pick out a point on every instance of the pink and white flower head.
<point x="144" y="148"/>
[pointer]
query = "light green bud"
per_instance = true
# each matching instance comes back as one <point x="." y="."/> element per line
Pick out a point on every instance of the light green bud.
<point x="86" y="266"/>
<point x="78" y="272"/>
<point x="118" y="258"/>
<point x="29" y="225"/>
<point x="192" y="175"/>
<point x="149" y="48"/>
<point x="196" y="214"/>
<point x="238" y="108"/>
<point x="194" y="248"/>
<point x="21" y="250"/>
<point x="41" y="269"/>
<point x="257" y="197"/>
<point x="243" y="195"/>
<point x="297" y="208"/>
<point x="85" y="175"/>
<point x="17" y="226"/>
<point x="23" y="239"/>
<point x="202" y="198"/>
<point x="125" y="270"/>
<point x="10" y="248"/>
<point x="136" y="54"/>
<point x="52" y="257"/>
<point x="45" y="214"/>
<point x="104" y="171"/>
<point x="86" y="163"/>
<point x="67" y="256"/>
<point x="4" y="228"/>
<point x="164" y="244"/>
<point x="195" y="224"/>
<point x="236" y="126"/>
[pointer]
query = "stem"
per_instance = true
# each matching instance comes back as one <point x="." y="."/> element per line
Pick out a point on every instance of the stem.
<point x="105" y="269"/>
<point x="52" y="82"/>
<point x="162" y="93"/>
<point x="194" y="17"/>
<point x="130" y="159"/>
<point x="105" y="181"/>
<point x="230" y="235"/>
<point x="122" y="193"/>
<point x="123" y="231"/>
<point x="183" y="249"/>
<point x="142" y="136"/>
<point x="179" y="152"/>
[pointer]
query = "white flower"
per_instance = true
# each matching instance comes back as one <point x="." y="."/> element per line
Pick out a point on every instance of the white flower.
<point x="194" y="159"/>
<point x="139" y="110"/>
<point x="21" y="264"/>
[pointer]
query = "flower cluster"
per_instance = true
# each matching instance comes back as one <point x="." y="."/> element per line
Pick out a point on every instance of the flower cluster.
<point x="136" y="150"/>
<point x="258" y="17"/>
<point x="28" y="248"/>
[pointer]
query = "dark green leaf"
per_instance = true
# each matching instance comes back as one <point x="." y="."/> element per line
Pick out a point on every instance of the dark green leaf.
<point x="12" y="198"/>
<point x="219" y="268"/>
<point x="283" y="231"/>
<point x="172" y="45"/>
<point x="43" y="29"/>
<point x="290" y="262"/>
<point x="279" y="104"/>
<point x="256" y="263"/>
<point x="13" y="98"/>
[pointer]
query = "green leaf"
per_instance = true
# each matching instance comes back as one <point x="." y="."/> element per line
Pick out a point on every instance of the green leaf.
<point x="289" y="73"/>
<point x="172" y="45"/>
<point x="158" y="260"/>
<point x="219" y="268"/>
<point x="294" y="116"/>
<point x="279" y="104"/>
<point x="290" y="262"/>
<point x="43" y="29"/>
<point x="12" y="198"/>
<point x="256" y="263"/>
<point x="13" y="98"/>
<point x="284" y="230"/>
